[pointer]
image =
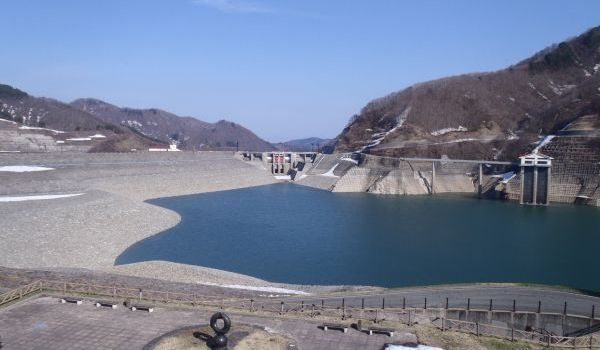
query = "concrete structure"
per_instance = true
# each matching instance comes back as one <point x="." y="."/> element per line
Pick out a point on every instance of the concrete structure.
<point x="535" y="178"/>
<point x="280" y="163"/>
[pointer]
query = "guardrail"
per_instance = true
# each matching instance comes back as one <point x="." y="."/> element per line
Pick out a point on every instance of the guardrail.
<point x="311" y="309"/>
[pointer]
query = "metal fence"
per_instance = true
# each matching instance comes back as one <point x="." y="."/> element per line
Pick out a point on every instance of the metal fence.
<point x="339" y="308"/>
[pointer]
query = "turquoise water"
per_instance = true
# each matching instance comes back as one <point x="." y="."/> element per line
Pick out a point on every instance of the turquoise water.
<point x="293" y="234"/>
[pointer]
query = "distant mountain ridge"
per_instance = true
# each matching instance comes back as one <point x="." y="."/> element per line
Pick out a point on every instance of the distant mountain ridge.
<point x="495" y="115"/>
<point x="190" y="133"/>
<point x="309" y="144"/>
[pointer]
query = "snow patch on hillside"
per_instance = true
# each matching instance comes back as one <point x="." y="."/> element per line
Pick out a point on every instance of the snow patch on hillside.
<point x="559" y="90"/>
<point x="538" y="92"/>
<point x="80" y="139"/>
<point x="36" y="128"/>
<point x="379" y="137"/>
<point x="37" y="198"/>
<point x="546" y="140"/>
<point x="23" y="168"/>
<point x="447" y="130"/>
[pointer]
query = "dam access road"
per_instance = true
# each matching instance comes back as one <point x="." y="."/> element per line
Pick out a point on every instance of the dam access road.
<point x="76" y="239"/>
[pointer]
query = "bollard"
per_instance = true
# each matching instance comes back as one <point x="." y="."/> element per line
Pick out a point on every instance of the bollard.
<point x="443" y="325"/>
<point x="512" y="334"/>
<point x="477" y="328"/>
<point x="514" y="305"/>
<point x="490" y="304"/>
<point x="343" y="303"/>
<point x="409" y="319"/>
<point x="565" y="309"/>
<point x="425" y="305"/>
<point x="539" y="307"/>
<point x="313" y="311"/>
<point x="281" y="311"/>
<point x="140" y="295"/>
<point x="383" y="304"/>
<point x="251" y="305"/>
<point x="404" y="303"/>
<point x="446" y="303"/>
<point x="302" y="307"/>
<point x="469" y="304"/>
<point x="322" y="304"/>
<point x="593" y="312"/>
<point x="363" y="303"/>
<point x="114" y="291"/>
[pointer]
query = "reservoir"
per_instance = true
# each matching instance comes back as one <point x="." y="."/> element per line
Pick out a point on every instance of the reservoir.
<point x="293" y="234"/>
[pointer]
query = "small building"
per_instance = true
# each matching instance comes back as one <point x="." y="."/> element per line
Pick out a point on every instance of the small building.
<point x="535" y="178"/>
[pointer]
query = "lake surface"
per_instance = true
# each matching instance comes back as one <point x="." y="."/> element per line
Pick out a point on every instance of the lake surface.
<point x="293" y="234"/>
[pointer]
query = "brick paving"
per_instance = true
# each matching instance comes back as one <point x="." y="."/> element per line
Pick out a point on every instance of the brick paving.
<point x="44" y="323"/>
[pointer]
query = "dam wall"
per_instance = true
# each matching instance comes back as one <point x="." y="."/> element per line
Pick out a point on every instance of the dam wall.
<point x="396" y="176"/>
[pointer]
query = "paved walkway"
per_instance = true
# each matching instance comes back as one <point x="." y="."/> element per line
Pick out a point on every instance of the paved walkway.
<point x="45" y="323"/>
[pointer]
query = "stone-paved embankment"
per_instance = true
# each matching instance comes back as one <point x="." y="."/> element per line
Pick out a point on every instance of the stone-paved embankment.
<point x="91" y="230"/>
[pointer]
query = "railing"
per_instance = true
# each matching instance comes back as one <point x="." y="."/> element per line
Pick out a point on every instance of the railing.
<point x="21" y="292"/>
<point x="312" y="308"/>
<point x="481" y="329"/>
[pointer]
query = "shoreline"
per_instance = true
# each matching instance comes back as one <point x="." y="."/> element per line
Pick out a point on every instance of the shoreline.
<point x="117" y="190"/>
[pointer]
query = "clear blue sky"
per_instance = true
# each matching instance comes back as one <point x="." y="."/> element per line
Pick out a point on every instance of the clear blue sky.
<point x="285" y="69"/>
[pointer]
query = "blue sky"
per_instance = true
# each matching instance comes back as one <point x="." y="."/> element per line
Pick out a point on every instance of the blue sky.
<point x="285" y="69"/>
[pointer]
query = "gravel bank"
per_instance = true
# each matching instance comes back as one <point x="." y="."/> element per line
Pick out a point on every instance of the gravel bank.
<point x="89" y="231"/>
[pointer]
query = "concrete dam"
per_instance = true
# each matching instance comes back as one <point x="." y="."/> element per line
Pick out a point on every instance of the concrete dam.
<point x="536" y="179"/>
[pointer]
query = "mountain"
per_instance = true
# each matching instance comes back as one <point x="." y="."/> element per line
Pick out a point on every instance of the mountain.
<point x="495" y="115"/>
<point x="20" y="107"/>
<point x="310" y="144"/>
<point x="43" y="124"/>
<point x="188" y="132"/>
